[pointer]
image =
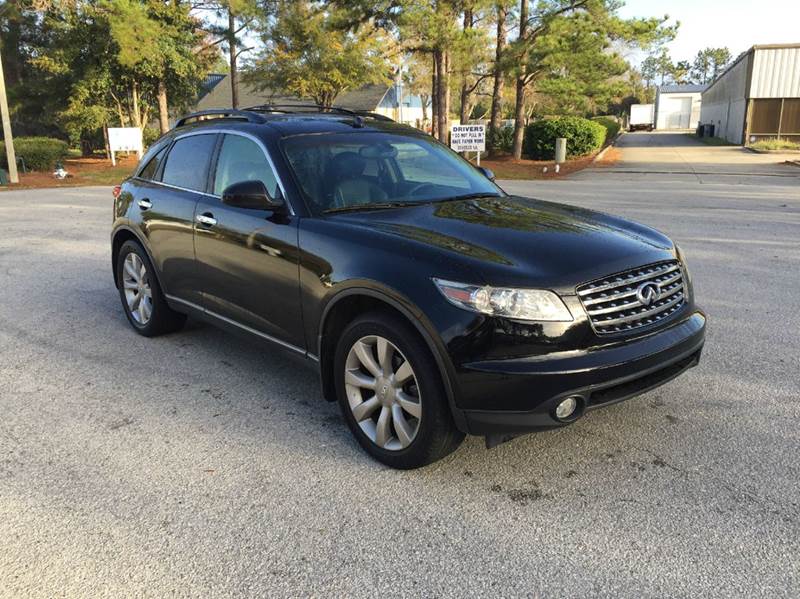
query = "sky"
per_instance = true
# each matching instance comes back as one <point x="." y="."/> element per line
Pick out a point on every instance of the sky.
<point x="737" y="24"/>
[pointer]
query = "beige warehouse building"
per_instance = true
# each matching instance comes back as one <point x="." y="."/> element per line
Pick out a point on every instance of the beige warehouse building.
<point x="757" y="97"/>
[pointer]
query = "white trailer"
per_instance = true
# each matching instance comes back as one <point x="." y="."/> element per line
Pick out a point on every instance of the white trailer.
<point x="642" y="117"/>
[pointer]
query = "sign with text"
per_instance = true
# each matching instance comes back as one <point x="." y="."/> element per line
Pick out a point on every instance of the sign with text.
<point x="468" y="138"/>
<point x="124" y="139"/>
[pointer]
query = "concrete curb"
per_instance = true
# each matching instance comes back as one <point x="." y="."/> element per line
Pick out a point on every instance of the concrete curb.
<point x="602" y="152"/>
<point x="756" y="151"/>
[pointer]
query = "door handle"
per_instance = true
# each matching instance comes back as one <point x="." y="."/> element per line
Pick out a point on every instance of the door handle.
<point x="206" y="219"/>
<point x="145" y="204"/>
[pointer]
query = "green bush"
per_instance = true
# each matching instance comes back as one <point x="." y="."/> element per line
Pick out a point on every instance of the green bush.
<point x="503" y="140"/>
<point x="149" y="135"/>
<point x="583" y="137"/>
<point x="611" y="125"/>
<point x="39" y="153"/>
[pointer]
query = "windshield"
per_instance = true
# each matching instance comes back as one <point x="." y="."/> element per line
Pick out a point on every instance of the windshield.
<point x="352" y="171"/>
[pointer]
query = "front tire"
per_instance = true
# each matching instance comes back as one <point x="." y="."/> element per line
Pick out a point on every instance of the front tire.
<point x="391" y="393"/>
<point x="142" y="299"/>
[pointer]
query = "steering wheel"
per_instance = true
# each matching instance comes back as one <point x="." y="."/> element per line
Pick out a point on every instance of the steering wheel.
<point x="413" y="191"/>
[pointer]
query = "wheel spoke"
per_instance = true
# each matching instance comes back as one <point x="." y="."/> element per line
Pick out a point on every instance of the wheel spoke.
<point x="409" y="404"/>
<point x="366" y="408"/>
<point x="359" y="379"/>
<point x="383" y="428"/>
<point x="134" y="305"/>
<point x="403" y="373"/>
<point x="405" y="433"/>
<point x="129" y="284"/>
<point x="148" y="293"/>
<point x="364" y="353"/>
<point x="130" y="268"/>
<point x="385" y="352"/>
<point x="145" y="309"/>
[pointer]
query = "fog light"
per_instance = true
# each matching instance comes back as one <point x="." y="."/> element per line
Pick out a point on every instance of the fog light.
<point x="566" y="408"/>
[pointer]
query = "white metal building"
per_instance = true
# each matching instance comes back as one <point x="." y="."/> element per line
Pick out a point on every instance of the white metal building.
<point x="757" y="97"/>
<point x="678" y="106"/>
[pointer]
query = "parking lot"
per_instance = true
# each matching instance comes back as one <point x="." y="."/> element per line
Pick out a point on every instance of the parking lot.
<point x="198" y="465"/>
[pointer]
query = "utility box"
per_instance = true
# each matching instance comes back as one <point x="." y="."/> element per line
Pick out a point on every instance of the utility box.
<point x="561" y="149"/>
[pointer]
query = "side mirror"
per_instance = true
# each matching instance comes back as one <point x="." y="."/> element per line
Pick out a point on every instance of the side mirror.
<point x="487" y="172"/>
<point x="252" y="195"/>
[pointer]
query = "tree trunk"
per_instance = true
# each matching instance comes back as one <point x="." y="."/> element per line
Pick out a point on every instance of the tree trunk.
<point x="232" y="59"/>
<point x="466" y="108"/>
<point x="441" y="96"/>
<point x="519" y="119"/>
<point x="497" y="88"/>
<point x="519" y="100"/>
<point x="135" y="116"/>
<point x="434" y="95"/>
<point x="105" y="141"/>
<point x="445" y="114"/>
<point x="163" y="110"/>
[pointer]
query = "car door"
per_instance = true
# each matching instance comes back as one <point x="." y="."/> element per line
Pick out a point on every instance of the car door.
<point x="167" y="191"/>
<point x="247" y="259"/>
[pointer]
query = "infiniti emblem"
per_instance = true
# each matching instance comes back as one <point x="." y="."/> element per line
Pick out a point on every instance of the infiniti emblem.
<point x="647" y="293"/>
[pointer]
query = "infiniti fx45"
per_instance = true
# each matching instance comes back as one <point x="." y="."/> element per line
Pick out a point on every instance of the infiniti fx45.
<point x="431" y="303"/>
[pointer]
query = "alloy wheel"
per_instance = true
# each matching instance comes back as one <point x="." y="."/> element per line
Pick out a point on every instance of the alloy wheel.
<point x="383" y="393"/>
<point x="138" y="293"/>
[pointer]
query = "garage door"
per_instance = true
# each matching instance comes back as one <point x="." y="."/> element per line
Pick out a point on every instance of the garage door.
<point x="676" y="112"/>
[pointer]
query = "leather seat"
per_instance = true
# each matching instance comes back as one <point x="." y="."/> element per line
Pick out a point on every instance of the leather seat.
<point x="351" y="188"/>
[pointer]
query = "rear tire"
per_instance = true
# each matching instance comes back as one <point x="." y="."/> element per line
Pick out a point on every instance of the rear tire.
<point x="391" y="393"/>
<point x="142" y="300"/>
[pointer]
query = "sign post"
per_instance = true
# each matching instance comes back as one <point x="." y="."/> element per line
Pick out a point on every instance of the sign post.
<point x="124" y="139"/>
<point x="7" y="136"/>
<point x="468" y="138"/>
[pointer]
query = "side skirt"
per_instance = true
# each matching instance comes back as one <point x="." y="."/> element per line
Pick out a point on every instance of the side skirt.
<point x="230" y="325"/>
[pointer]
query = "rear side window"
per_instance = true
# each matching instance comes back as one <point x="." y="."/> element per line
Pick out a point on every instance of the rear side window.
<point x="242" y="159"/>
<point x="187" y="162"/>
<point x="151" y="168"/>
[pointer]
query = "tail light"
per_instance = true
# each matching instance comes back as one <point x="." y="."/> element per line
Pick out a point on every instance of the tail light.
<point x="116" y="191"/>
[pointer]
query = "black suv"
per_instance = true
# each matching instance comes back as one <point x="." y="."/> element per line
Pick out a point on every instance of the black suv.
<point x="432" y="303"/>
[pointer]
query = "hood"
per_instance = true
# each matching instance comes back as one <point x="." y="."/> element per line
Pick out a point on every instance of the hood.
<point x="515" y="241"/>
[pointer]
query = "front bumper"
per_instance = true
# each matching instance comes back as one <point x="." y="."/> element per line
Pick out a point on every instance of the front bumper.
<point x="599" y="378"/>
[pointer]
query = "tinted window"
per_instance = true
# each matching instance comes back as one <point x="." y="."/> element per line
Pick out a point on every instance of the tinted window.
<point x="150" y="169"/>
<point x="242" y="159"/>
<point x="187" y="162"/>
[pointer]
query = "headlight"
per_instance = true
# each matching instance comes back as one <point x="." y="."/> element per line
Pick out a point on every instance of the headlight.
<point x="685" y="267"/>
<point x="522" y="304"/>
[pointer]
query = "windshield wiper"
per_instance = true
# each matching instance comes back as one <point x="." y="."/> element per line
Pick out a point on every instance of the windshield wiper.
<point x="376" y="206"/>
<point x="466" y="196"/>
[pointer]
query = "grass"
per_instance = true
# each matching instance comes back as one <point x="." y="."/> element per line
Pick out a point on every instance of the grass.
<point x="711" y="141"/>
<point x="82" y="171"/>
<point x="775" y="144"/>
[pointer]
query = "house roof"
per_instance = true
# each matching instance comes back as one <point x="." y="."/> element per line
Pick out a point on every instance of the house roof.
<point x="209" y="83"/>
<point x="681" y="89"/>
<point x="365" y="98"/>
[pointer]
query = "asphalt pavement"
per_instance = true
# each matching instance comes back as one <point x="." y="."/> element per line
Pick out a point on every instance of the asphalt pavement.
<point x="199" y="465"/>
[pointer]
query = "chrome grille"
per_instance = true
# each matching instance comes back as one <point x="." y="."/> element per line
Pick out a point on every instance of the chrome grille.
<point x="618" y="303"/>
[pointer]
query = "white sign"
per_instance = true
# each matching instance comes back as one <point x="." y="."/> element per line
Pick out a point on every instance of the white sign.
<point x="124" y="139"/>
<point x="468" y="138"/>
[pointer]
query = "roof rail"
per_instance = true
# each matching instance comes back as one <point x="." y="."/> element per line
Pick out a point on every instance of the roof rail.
<point x="374" y="115"/>
<point x="290" y="108"/>
<point x="250" y="117"/>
